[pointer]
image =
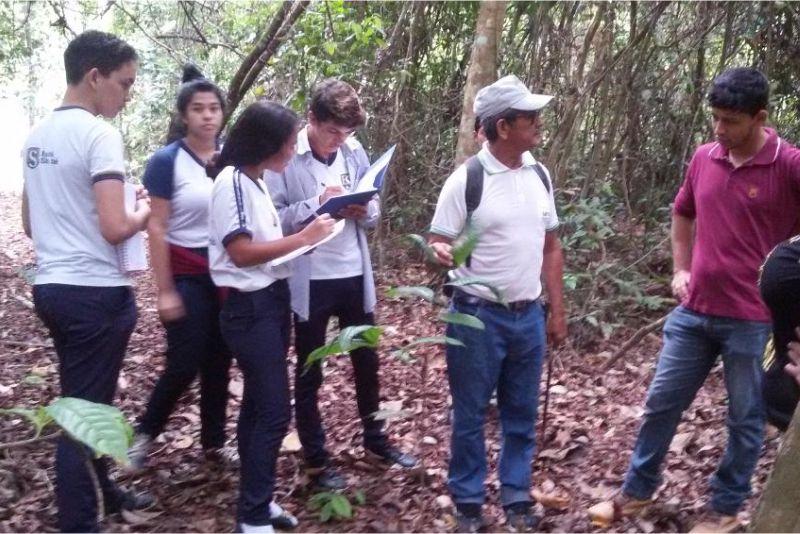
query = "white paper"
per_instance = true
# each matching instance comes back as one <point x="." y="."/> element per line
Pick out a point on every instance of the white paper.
<point x="131" y="253"/>
<point x="367" y="181"/>
<point x="337" y="229"/>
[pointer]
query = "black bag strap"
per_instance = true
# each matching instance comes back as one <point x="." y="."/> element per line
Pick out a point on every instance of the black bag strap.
<point x="542" y="176"/>
<point x="474" y="189"/>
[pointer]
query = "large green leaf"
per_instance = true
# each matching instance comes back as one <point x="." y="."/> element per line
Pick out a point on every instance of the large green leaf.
<point x="423" y="292"/>
<point x="464" y="319"/>
<point x="464" y="245"/>
<point x="101" y="427"/>
<point x="475" y="281"/>
<point x="349" y="339"/>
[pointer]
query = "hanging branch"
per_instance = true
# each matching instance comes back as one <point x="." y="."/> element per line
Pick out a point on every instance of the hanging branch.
<point x="265" y="47"/>
<point x="172" y="53"/>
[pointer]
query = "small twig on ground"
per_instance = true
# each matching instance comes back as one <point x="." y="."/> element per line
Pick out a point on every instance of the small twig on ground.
<point x="25" y="344"/>
<point x="633" y="341"/>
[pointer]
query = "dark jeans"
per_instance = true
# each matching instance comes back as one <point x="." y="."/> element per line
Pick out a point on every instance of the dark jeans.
<point x="194" y="344"/>
<point x="256" y="326"/>
<point x="90" y="327"/>
<point x="692" y="344"/>
<point x="507" y="356"/>
<point x="344" y="298"/>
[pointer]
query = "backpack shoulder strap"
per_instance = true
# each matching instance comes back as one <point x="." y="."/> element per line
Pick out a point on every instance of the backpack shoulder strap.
<point x="542" y="175"/>
<point x="474" y="189"/>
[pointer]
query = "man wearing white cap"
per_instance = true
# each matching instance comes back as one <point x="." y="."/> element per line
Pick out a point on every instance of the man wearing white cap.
<point x="515" y="215"/>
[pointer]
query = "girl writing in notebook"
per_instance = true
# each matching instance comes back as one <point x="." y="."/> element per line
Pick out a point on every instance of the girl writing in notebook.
<point x="245" y="235"/>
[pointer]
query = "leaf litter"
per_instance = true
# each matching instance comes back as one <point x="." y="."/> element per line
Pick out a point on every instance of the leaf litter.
<point x="592" y="423"/>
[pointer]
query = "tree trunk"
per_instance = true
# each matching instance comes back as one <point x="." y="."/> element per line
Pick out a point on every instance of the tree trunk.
<point x="481" y="72"/>
<point x="778" y="510"/>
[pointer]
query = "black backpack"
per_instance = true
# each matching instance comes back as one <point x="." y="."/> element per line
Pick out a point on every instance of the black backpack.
<point x="474" y="189"/>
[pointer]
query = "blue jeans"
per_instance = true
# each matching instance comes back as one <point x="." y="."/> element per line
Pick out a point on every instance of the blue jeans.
<point x="692" y="342"/>
<point x="256" y="326"/>
<point x="506" y="356"/>
<point x="90" y="327"/>
<point x="194" y="346"/>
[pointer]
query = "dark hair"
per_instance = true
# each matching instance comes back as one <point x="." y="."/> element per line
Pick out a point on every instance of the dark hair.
<point x="489" y="124"/>
<point x="192" y="82"/>
<point x="477" y="126"/>
<point x="337" y="101"/>
<point x="260" y="132"/>
<point x="741" y="89"/>
<point x="94" y="49"/>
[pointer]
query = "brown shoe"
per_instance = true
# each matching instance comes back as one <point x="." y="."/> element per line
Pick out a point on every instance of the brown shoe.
<point x="712" y="521"/>
<point x="620" y="505"/>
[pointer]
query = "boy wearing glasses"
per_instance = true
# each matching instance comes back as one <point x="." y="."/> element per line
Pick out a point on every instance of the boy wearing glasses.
<point x="336" y="279"/>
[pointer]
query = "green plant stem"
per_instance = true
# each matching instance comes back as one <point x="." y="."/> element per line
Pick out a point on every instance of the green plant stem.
<point x="30" y="441"/>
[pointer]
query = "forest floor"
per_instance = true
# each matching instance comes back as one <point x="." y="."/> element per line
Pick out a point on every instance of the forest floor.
<point x="592" y="424"/>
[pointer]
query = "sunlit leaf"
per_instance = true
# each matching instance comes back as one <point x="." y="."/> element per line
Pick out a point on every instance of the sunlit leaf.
<point x="464" y="319"/>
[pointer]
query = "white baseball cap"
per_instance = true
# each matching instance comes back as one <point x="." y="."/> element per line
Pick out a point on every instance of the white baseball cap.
<point x="507" y="93"/>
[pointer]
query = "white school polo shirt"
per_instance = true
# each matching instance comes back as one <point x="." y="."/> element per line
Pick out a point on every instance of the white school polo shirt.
<point x="341" y="256"/>
<point x="63" y="157"/>
<point x="240" y="205"/>
<point x="514" y="213"/>
<point x="176" y="174"/>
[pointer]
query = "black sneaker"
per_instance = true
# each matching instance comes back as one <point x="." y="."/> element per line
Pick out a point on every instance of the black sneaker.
<point x="468" y="518"/>
<point x="127" y="500"/>
<point x="520" y="517"/>
<point x="392" y="455"/>
<point x="326" y="478"/>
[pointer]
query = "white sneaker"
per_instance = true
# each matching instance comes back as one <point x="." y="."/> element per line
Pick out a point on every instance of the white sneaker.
<point x="281" y="518"/>
<point x="255" y="529"/>
<point x="137" y="454"/>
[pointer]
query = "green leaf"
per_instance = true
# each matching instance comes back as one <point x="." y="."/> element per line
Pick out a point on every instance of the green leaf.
<point x="423" y="292"/>
<point x="330" y="48"/>
<point x="38" y="417"/>
<point x="101" y="427"/>
<point x="341" y="506"/>
<point x="422" y="244"/>
<point x="326" y="512"/>
<point x="404" y="353"/>
<point x="319" y="499"/>
<point x="464" y="319"/>
<point x="475" y="281"/>
<point x="349" y="339"/>
<point x="464" y="245"/>
<point x="360" y="498"/>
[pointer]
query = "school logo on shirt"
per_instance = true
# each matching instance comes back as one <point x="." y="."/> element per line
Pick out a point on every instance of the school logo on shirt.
<point x="752" y="191"/>
<point x="345" y="179"/>
<point x="36" y="156"/>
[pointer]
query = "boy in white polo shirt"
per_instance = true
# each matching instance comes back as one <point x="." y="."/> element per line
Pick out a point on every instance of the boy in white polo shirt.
<point x="516" y="220"/>
<point x="74" y="211"/>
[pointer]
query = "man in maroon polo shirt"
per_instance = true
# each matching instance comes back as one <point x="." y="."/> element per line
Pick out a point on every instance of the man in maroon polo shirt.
<point x="740" y="198"/>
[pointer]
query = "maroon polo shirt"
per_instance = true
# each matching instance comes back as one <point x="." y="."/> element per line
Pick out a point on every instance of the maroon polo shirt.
<point x="740" y="215"/>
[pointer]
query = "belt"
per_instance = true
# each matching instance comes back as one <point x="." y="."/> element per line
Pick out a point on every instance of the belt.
<point x="463" y="297"/>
